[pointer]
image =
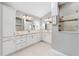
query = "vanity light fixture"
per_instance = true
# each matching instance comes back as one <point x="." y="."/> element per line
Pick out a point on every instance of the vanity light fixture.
<point x="24" y="17"/>
<point x="48" y="20"/>
<point x="27" y="18"/>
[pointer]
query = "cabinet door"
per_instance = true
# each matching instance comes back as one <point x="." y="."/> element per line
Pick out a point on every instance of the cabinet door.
<point x="29" y="40"/>
<point x="47" y="37"/>
<point x="43" y="36"/>
<point x="9" y="15"/>
<point x="39" y="36"/>
<point x="35" y="38"/>
<point x="8" y="47"/>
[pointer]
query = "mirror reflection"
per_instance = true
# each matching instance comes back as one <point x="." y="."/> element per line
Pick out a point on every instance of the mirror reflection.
<point x="68" y="17"/>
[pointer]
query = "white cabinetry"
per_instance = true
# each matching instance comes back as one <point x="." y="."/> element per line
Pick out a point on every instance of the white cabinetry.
<point x="12" y="43"/>
<point x="46" y="36"/>
<point x="8" y="46"/>
<point x="36" y="37"/>
<point x="8" y="17"/>
<point x="23" y="41"/>
<point x="32" y="38"/>
<point x="29" y="39"/>
<point x="39" y="36"/>
<point x="20" y="42"/>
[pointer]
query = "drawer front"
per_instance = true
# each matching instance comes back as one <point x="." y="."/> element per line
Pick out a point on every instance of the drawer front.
<point x="20" y="39"/>
<point x="21" y="45"/>
<point x="21" y="42"/>
<point x="29" y="37"/>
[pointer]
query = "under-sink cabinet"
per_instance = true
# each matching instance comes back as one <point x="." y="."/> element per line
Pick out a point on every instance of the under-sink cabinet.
<point x="29" y="39"/>
<point x="46" y="37"/>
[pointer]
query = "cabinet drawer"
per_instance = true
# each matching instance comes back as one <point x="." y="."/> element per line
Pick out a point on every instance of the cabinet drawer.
<point x="29" y="37"/>
<point x="23" y="39"/>
<point x="20" y="39"/>
<point x="21" y="45"/>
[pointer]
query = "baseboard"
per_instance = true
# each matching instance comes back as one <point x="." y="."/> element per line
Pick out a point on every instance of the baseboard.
<point x="56" y="53"/>
<point x="45" y="42"/>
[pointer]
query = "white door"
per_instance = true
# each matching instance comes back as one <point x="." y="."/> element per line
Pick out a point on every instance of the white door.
<point x="9" y="16"/>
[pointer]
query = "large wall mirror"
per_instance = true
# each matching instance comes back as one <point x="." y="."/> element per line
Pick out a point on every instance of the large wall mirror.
<point x="25" y="22"/>
<point x="69" y="16"/>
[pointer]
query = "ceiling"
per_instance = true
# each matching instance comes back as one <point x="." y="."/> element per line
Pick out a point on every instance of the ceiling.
<point x="61" y="3"/>
<point x="38" y="9"/>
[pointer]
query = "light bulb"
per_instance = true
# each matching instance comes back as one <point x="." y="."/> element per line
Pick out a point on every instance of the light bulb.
<point x="27" y="17"/>
<point x="23" y="16"/>
<point x="47" y="22"/>
<point x="30" y="18"/>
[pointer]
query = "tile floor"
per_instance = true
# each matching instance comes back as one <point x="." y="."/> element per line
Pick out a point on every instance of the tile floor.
<point x="39" y="49"/>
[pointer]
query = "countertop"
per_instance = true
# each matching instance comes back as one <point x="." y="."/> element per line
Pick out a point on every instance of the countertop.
<point x="27" y="32"/>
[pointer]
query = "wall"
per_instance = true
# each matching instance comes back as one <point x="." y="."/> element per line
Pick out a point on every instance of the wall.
<point x="66" y="42"/>
<point x="47" y="15"/>
<point x="0" y="29"/>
